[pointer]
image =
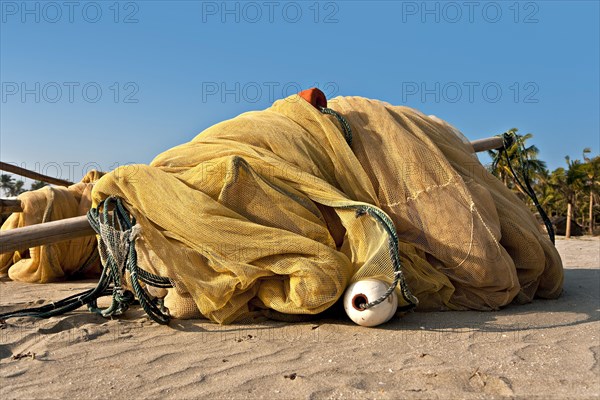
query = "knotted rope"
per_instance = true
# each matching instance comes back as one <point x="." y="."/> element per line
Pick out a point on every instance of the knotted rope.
<point x="117" y="250"/>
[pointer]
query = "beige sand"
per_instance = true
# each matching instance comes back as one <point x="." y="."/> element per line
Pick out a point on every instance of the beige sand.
<point x="547" y="349"/>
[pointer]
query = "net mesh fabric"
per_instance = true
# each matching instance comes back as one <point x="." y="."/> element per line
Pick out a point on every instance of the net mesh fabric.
<point x="75" y="258"/>
<point x="113" y="242"/>
<point x="260" y="211"/>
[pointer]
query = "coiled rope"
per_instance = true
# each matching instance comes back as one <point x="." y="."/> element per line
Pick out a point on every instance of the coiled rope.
<point x="117" y="249"/>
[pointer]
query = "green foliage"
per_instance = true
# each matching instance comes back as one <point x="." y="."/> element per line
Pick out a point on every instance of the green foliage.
<point x="518" y="153"/>
<point x="6" y="183"/>
<point x="38" y="185"/>
<point x="11" y="187"/>
<point x="576" y="183"/>
<point x="501" y="168"/>
<point x="17" y="188"/>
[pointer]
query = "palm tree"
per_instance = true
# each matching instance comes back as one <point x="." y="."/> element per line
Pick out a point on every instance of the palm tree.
<point x="549" y="197"/>
<point x="569" y="182"/>
<point x="6" y="183"/>
<point x="520" y="163"/>
<point x="517" y="153"/>
<point x="591" y="169"/>
<point x="38" y="185"/>
<point x="17" y="188"/>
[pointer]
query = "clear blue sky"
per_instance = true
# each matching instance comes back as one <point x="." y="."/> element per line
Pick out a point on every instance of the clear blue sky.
<point x="168" y="70"/>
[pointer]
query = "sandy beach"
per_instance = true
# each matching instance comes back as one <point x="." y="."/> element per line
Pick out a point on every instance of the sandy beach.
<point x="549" y="349"/>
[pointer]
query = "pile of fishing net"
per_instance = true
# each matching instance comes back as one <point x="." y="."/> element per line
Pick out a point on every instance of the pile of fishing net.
<point x="77" y="258"/>
<point x="282" y="209"/>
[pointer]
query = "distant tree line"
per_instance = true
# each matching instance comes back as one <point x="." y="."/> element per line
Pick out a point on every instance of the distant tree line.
<point x="569" y="192"/>
<point x="11" y="187"/>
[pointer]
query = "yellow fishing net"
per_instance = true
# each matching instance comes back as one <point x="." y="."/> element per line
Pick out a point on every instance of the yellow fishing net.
<point x="263" y="211"/>
<point x="75" y="258"/>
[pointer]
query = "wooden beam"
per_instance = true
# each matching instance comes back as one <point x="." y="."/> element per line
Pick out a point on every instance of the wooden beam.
<point x="33" y="175"/>
<point x="8" y="206"/>
<point x="46" y="233"/>
<point x="492" y="143"/>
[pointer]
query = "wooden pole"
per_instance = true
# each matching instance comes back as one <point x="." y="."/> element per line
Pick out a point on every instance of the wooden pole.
<point x="591" y="212"/>
<point x="46" y="233"/>
<point x="33" y="175"/>
<point x="72" y="228"/>
<point x="493" y="143"/>
<point x="569" y="217"/>
<point x="8" y="206"/>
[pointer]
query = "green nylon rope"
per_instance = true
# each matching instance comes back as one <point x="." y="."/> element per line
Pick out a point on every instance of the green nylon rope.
<point x="399" y="279"/>
<point x="121" y="298"/>
<point x="110" y="282"/>
<point x="343" y="121"/>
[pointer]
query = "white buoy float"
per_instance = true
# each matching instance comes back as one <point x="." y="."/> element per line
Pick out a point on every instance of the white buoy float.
<point x="363" y="292"/>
